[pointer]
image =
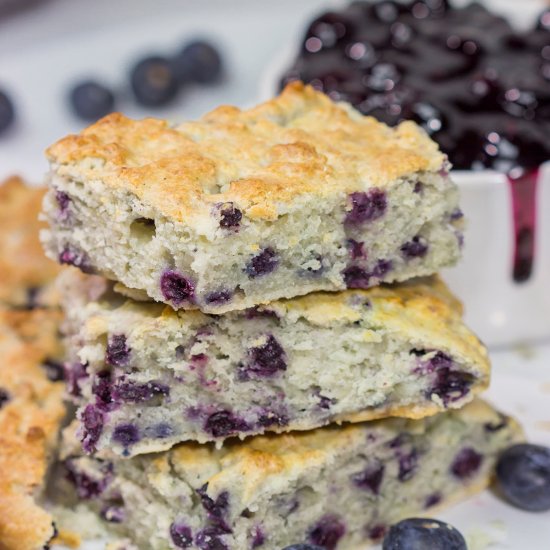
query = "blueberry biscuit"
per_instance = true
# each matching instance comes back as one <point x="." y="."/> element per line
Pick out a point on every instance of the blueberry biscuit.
<point x="27" y="274"/>
<point x="297" y="195"/>
<point x="31" y="411"/>
<point x="337" y="487"/>
<point x="147" y="376"/>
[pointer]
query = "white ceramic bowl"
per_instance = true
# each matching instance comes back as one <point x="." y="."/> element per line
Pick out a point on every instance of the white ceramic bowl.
<point x="501" y="311"/>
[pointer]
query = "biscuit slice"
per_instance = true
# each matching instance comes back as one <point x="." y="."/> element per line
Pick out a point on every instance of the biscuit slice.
<point x="27" y="274"/>
<point x="147" y="377"/>
<point x="297" y="195"/>
<point x="31" y="412"/>
<point x="336" y="487"/>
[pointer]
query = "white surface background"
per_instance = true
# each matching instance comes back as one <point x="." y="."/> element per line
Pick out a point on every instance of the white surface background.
<point x="45" y="50"/>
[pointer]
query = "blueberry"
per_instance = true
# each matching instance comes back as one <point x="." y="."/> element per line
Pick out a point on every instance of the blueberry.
<point x="118" y="352"/>
<point x="73" y="374"/>
<point x="86" y="486"/>
<point x="450" y="385"/>
<point x="153" y="81"/>
<point x="357" y="277"/>
<point x="263" y="263"/>
<point x="54" y="370"/>
<point x="328" y="531"/>
<point x="216" y="509"/>
<point x="92" y="419"/>
<point x="356" y="249"/>
<point x="63" y="200"/>
<point x="181" y="535"/>
<point x="4" y="397"/>
<point x="423" y="534"/>
<point x="258" y="538"/>
<point x="270" y="418"/>
<point x="370" y="478"/>
<point x="176" y="288"/>
<point x="303" y="547"/>
<point x="91" y="100"/>
<point x="198" y="61"/>
<point x="466" y="463"/>
<point x="132" y="392"/>
<point x="7" y="112"/>
<point x="416" y="248"/>
<point x="223" y="423"/>
<point x="523" y="473"/>
<point x="209" y="538"/>
<point x="432" y="500"/>
<point x="230" y="216"/>
<point x="218" y="297"/>
<point x="366" y="207"/>
<point x="126" y="434"/>
<point x="267" y="359"/>
<point x="408" y="464"/>
<point x="70" y="255"/>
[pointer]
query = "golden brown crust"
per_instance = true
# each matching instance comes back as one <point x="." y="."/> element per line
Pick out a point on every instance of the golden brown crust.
<point x="30" y="420"/>
<point x="23" y="264"/>
<point x="298" y="144"/>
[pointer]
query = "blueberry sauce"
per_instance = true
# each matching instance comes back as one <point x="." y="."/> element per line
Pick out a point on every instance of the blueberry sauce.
<point x="477" y="86"/>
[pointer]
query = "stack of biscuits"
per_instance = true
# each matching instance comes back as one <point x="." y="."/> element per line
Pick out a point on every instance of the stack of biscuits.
<point x="258" y="345"/>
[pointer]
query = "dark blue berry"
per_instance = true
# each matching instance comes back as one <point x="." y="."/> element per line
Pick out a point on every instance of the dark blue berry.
<point x="4" y="397"/>
<point x="7" y="112"/>
<point x="218" y="297"/>
<point x="357" y="250"/>
<point x="91" y="100"/>
<point x="366" y="207"/>
<point x="270" y="418"/>
<point x="153" y="81"/>
<point x="328" y="531"/>
<point x="432" y="500"/>
<point x="181" y="535"/>
<point x="230" y="216"/>
<point x="370" y="478"/>
<point x="126" y="434"/>
<point x="423" y="534"/>
<point x="70" y="255"/>
<point x="357" y="277"/>
<point x="262" y="264"/>
<point x="176" y="288"/>
<point x="266" y="360"/>
<point x="118" y="353"/>
<point x="200" y="62"/>
<point x="132" y="392"/>
<point x="466" y="463"/>
<point x="209" y="538"/>
<point x="63" y="200"/>
<point x="258" y="538"/>
<point x="92" y="418"/>
<point x="523" y="473"/>
<point x="224" y="423"/>
<point x="451" y="385"/>
<point x="216" y="509"/>
<point x="416" y="248"/>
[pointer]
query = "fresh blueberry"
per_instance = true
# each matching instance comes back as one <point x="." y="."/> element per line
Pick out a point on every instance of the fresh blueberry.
<point x="126" y="435"/>
<point x="423" y="534"/>
<point x="370" y="478"/>
<point x="230" y="216"/>
<point x="466" y="463"/>
<point x="262" y="264"/>
<point x="7" y="112"/>
<point x="198" y="61"/>
<point x="118" y="352"/>
<point x="224" y="423"/>
<point x="91" y="100"/>
<point x="181" y="535"/>
<point x="328" y="531"/>
<point x="176" y="288"/>
<point x="153" y="81"/>
<point x="4" y="397"/>
<point x="523" y="473"/>
<point x="366" y="207"/>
